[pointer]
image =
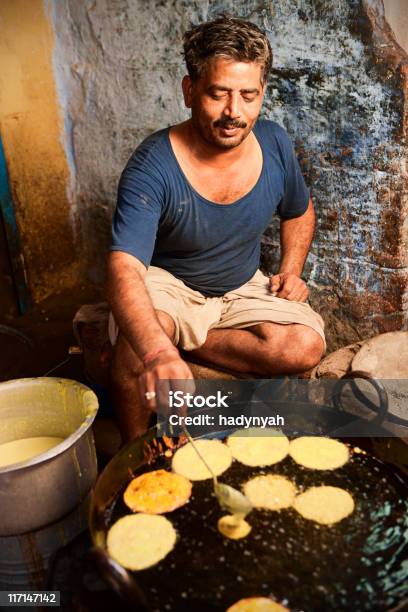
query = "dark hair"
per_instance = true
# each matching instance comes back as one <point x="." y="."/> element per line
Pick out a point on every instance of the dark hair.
<point x="226" y="37"/>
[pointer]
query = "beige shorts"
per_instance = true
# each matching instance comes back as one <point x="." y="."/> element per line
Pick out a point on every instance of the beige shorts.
<point x="194" y="315"/>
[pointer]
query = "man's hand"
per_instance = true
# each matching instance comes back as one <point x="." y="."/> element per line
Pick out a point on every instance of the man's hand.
<point x="289" y="287"/>
<point x="167" y="371"/>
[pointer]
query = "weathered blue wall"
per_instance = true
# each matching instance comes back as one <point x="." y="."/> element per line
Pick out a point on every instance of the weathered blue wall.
<point x="343" y="106"/>
<point x="338" y="86"/>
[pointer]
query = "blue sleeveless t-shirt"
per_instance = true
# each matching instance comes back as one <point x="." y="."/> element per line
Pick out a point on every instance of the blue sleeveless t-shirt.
<point x="214" y="248"/>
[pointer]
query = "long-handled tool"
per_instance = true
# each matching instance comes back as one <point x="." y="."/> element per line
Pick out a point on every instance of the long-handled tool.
<point x="230" y="499"/>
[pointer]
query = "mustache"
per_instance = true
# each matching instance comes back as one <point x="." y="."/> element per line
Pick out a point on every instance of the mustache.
<point x="227" y="123"/>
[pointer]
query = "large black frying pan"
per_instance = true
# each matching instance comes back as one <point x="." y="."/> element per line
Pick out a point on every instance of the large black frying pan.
<point x="359" y="564"/>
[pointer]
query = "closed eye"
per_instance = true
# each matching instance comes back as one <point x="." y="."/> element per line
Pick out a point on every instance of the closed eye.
<point x="217" y="96"/>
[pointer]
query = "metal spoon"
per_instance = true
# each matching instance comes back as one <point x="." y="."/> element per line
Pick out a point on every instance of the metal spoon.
<point x="230" y="499"/>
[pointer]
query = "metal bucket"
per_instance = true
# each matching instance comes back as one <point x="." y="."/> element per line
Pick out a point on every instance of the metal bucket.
<point x="42" y="490"/>
<point x="25" y="559"/>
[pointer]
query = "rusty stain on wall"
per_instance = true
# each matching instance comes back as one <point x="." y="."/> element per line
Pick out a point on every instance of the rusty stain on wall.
<point x="338" y="86"/>
<point x="342" y="100"/>
<point x="31" y="129"/>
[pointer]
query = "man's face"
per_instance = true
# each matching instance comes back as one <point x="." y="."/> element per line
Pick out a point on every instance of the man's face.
<point x="225" y="102"/>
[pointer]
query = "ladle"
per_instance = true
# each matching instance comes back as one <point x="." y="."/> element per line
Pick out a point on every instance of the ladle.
<point x="230" y="499"/>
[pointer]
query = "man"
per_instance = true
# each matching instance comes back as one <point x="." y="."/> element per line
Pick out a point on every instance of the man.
<point x="193" y="203"/>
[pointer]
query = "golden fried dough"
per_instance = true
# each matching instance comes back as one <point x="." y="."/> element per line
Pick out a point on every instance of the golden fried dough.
<point x="319" y="453"/>
<point x="324" y="505"/>
<point x="271" y="491"/>
<point x="233" y="527"/>
<point x="187" y="463"/>
<point x="157" y="492"/>
<point x="258" y="448"/>
<point x="138" y="541"/>
<point x="257" y="604"/>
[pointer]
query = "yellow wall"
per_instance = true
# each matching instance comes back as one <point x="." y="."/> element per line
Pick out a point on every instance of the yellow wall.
<point x="32" y="133"/>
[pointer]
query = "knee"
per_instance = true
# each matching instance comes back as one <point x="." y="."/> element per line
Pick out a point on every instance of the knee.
<point x="307" y="349"/>
<point x="300" y="349"/>
<point x="126" y="366"/>
<point x="167" y="324"/>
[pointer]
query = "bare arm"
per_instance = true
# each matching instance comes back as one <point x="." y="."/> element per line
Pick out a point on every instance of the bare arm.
<point x="131" y="304"/>
<point x="296" y="237"/>
<point x="137" y="320"/>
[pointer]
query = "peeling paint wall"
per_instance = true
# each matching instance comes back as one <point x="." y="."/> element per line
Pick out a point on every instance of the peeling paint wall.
<point x="343" y="103"/>
<point x="118" y="69"/>
<point x="30" y="124"/>
<point x="338" y="86"/>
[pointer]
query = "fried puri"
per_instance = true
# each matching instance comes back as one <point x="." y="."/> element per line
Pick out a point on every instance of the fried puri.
<point x="157" y="492"/>
<point x="318" y="453"/>
<point x="257" y="604"/>
<point x="324" y="505"/>
<point x="138" y="541"/>
<point x="271" y="492"/>
<point x="187" y="463"/>
<point x="255" y="448"/>
<point x="233" y="527"/>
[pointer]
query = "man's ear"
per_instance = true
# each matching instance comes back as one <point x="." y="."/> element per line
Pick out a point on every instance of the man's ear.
<point x="187" y="90"/>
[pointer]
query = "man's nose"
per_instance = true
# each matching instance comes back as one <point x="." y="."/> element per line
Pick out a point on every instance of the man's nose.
<point x="232" y="108"/>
